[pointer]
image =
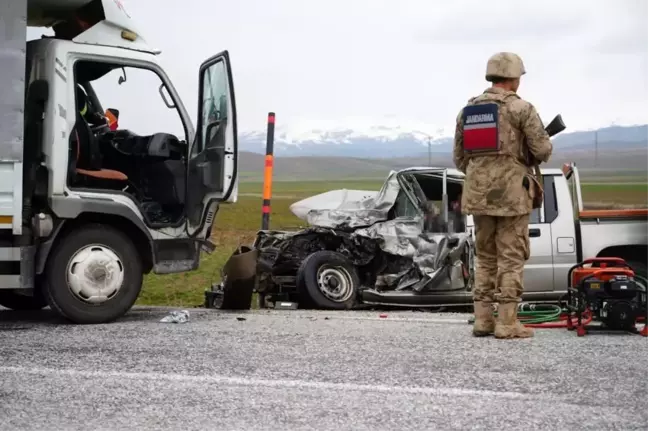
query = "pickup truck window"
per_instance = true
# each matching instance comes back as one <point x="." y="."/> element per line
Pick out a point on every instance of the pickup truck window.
<point x="550" y="205"/>
<point x="550" y="201"/>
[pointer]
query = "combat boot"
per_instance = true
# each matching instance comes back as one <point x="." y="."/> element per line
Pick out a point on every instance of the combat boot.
<point x="508" y="325"/>
<point x="484" y="319"/>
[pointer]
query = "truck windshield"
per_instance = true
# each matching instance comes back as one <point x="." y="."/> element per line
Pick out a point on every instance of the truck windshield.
<point x="141" y="110"/>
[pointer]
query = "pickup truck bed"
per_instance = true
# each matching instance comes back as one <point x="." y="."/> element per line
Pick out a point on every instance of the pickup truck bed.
<point x="627" y="228"/>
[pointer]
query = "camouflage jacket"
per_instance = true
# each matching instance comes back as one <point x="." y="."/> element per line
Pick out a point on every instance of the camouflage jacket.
<point x="494" y="183"/>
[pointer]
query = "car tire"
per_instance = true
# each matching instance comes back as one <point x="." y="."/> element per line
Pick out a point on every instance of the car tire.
<point x="15" y="301"/>
<point x="94" y="275"/>
<point x="328" y="280"/>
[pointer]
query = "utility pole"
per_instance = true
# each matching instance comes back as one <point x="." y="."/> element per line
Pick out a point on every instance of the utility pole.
<point x="429" y="143"/>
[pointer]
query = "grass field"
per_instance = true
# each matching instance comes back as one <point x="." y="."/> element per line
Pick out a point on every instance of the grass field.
<point x="237" y="225"/>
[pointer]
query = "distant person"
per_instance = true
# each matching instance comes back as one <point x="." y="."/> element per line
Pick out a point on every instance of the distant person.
<point x="458" y="219"/>
<point x="498" y="138"/>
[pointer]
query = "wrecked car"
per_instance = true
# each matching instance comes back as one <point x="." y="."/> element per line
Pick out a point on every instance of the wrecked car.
<point x="405" y="245"/>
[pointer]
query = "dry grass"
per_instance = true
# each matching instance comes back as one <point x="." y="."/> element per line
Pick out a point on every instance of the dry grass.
<point x="237" y="224"/>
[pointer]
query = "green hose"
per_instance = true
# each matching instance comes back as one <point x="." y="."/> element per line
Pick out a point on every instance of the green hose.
<point x="533" y="314"/>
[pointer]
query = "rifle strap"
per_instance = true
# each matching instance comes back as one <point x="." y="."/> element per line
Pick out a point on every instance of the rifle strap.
<point x="538" y="197"/>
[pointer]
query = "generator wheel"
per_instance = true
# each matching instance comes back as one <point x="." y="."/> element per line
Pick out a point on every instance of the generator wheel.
<point x="15" y="301"/>
<point x="328" y="280"/>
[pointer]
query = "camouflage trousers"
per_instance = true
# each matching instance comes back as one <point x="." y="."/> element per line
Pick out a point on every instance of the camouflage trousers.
<point x="501" y="249"/>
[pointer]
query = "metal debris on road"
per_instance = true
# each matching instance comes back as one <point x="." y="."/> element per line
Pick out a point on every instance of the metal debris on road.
<point x="181" y="316"/>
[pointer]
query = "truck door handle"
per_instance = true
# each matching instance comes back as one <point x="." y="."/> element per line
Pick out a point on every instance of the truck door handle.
<point x="534" y="232"/>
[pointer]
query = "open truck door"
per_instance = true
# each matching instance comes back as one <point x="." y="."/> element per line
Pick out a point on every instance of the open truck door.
<point x="212" y="175"/>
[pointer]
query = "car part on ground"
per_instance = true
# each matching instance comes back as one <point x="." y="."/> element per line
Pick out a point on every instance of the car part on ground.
<point x="238" y="279"/>
<point x="177" y="316"/>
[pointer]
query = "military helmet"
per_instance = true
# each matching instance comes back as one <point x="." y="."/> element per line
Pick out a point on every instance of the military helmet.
<point x="504" y="65"/>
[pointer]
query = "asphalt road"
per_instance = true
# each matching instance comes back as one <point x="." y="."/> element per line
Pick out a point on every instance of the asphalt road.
<point x="313" y="370"/>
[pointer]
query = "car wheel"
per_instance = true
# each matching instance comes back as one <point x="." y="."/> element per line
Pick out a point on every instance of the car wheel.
<point x="15" y="301"/>
<point x="94" y="275"/>
<point x="328" y="280"/>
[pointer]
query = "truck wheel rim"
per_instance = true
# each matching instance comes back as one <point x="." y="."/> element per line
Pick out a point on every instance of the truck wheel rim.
<point x="95" y="274"/>
<point x="335" y="283"/>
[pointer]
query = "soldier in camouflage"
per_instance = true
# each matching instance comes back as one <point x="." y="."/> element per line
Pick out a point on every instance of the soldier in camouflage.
<point x="497" y="135"/>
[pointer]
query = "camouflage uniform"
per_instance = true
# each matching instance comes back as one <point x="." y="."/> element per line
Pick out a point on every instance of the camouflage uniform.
<point x="500" y="199"/>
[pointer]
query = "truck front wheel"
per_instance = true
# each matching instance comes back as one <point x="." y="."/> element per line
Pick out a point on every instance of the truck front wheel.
<point x="94" y="275"/>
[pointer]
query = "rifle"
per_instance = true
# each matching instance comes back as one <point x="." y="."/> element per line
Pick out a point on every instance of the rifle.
<point x="556" y="126"/>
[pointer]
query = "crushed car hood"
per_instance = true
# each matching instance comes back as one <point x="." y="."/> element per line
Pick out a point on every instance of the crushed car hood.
<point x="330" y="200"/>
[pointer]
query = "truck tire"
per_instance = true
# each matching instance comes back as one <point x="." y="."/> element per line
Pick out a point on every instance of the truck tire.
<point x="94" y="275"/>
<point x="15" y="301"/>
<point x="327" y="280"/>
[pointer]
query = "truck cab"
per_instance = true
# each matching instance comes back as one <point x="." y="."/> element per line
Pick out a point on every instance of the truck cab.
<point x="92" y="198"/>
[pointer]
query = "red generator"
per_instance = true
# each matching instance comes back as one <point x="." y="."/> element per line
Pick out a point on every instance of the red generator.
<point x="604" y="289"/>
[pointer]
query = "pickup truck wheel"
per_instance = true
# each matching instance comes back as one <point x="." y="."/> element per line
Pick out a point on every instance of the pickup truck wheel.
<point x="328" y="280"/>
<point x="15" y="301"/>
<point x="94" y="275"/>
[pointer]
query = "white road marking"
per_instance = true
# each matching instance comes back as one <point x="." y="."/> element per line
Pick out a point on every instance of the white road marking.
<point x="278" y="383"/>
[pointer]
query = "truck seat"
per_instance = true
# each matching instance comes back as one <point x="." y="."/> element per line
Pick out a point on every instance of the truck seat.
<point x="88" y="155"/>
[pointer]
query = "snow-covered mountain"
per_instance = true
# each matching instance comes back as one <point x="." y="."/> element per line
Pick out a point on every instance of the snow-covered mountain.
<point x="410" y="139"/>
<point x="363" y="139"/>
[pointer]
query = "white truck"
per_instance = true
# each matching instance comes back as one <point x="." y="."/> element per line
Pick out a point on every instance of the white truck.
<point x="88" y="208"/>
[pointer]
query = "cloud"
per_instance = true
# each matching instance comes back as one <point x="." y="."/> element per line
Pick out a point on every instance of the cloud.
<point x="316" y="62"/>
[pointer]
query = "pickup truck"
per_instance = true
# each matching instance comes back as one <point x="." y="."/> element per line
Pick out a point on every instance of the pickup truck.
<point x="563" y="233"/>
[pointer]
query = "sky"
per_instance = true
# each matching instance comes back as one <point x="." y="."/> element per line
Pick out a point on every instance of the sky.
<point x="349" y="63"/>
